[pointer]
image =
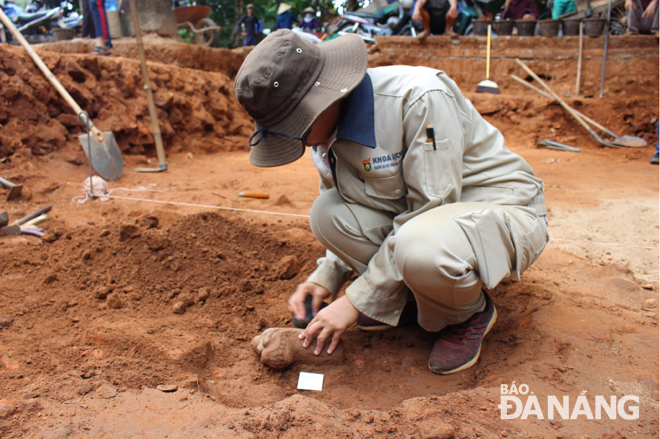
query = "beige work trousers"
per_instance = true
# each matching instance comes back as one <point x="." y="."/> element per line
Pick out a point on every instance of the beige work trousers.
<point x="444" y="255"/>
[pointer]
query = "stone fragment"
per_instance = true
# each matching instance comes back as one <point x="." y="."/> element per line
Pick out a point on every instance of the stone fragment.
<point x="167" y="387"/>
<point x="114" y="301"/>
<point x="106" y="392"/>
<point x="287" y="267"/>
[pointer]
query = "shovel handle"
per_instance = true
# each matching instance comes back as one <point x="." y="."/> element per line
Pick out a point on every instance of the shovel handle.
<point x="571" y="111"/>
<point x="45" y="70"/>
<point x="33" y="215"/>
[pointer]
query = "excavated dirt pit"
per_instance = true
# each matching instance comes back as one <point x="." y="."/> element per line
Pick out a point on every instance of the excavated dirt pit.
<point x="121" y="297"/>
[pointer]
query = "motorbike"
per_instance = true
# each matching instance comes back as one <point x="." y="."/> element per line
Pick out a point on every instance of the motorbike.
<point x="37" y="26"/>
<point x="393" y="20"/>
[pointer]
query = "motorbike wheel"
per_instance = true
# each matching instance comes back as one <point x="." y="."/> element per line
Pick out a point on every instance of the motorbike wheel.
<point x="619" y="19"/>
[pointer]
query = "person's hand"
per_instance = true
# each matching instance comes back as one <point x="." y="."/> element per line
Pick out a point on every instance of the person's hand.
<point x="416" y="16"/>
<point x="244" y="34"/>
<point x="528" y="17"/>
<point x="452" y="12"/>
<point x="506" y="5"/>
<point x="629" y="5"/>
<point x="649" y="12"/>
<point x="329" y="324"/>
<point x="296" y="302"/>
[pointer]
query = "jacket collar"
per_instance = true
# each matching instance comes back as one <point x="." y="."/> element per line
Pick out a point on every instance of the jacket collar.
<point x="357" y="119"/>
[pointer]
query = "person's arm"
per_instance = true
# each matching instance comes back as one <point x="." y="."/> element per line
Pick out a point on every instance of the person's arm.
<point x="649" y="12"/>
<point x="238" y="24"/>
<point x="453" y="9"/>
<point x="417" y="10"/>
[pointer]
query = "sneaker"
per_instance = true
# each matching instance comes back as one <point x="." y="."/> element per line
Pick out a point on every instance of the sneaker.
<point x="408" y="315"/>
<point x="458" y="346"/>
<point x="654" y="160"/>
<point x="100" y="50"/>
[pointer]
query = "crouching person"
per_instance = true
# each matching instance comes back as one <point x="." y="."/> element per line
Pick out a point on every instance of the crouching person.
<point x="419" y="195"/>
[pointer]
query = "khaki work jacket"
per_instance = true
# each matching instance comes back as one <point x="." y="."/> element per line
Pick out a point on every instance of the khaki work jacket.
<point x="382" y="158"/>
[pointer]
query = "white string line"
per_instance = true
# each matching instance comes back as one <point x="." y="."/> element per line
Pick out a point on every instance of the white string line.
<point x="307" y="216"/>
<point x="208" y="207"/>
<point x="614" y="244"/>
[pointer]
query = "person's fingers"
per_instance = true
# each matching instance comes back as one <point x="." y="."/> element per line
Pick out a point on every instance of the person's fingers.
<point x="335" y="341"/>
<point x="320" y="340"/>
<point x="297" y="304"/>
<point x="310" y="333"/>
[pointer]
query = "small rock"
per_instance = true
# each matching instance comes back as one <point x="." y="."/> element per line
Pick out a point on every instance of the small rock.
<point x="179" y="307"/>
<point x="114" y="301"/>
<point x="249" y="307"/>
<point x="7" y="408"/>
<point x="504" y="433"/>
<point x="650" y="304"/>
<point x="104" y="233"/>
<point x="435" y="430"/>
<point x="369" y="418"/>
<point x="167" y="387"/>
<point x="203" y="294"/>
<point x="5" y="322"/>
<point x="287" y="267"/>
<point x="245" y="285"/>
<point x="101" y="292"/>
<point x="50" y="278"/>
<point x="648" y="287"/>
<point x="128" y="231"/>
<point x="106" y="392"/>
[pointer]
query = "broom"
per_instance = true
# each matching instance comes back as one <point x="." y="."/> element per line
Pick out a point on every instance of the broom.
<point x="488" y="86"/>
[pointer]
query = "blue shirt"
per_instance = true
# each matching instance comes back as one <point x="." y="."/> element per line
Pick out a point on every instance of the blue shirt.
<point x="284" y="21"/>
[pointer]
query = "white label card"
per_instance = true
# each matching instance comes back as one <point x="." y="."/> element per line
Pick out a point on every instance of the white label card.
<point x="310" y="381"/>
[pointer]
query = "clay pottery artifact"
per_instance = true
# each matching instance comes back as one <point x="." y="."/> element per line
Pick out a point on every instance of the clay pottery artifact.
<point x="480" y="27"/>
<point x="593" y="27"/>
<point x="526" y="28"/>
<point x="503" y="27"/>
<point x="571" y="28"/>
<point x="549" y="28"/>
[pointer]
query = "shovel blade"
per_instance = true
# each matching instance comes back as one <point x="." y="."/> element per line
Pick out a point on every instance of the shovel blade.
<point x="630" y="141"/>
<point x="105" y="157"/>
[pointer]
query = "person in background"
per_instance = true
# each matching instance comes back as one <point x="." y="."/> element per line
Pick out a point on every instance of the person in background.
<point x="642" y="17"/>
<point x="285" y="18"/>
<point x="563" y="7"/>
<point x="308" y="23"/>
<point x="437" y="16"/>
<point x="520" y="10"/>
<point x="88" y="30"/>
<point x="103" y="43"/>
<point x="250" y="27"/>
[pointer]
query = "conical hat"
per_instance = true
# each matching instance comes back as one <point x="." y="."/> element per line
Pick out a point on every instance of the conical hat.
<point x="283" y="8"/>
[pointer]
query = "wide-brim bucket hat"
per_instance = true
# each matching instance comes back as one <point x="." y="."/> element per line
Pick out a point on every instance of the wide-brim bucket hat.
<point x="287" y="82"/>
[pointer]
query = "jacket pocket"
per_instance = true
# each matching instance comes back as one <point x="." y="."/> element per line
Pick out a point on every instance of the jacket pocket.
<point x="389" y="188"/>
<point x="433" y="159"/>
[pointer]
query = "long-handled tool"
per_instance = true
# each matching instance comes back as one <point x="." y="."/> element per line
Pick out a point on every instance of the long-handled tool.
<point x="14" y="189"/>
<point x="15" y="228"/>
<point x="103" y="151"/>
<point x="153" y="115"/>
<point x="488" y="86"/>
<point x="607" y="40"/>
<point x="627" y="141"/>
<point x="579" y="66"/>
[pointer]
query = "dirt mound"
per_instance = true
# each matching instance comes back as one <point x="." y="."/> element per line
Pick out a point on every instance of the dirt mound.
<point x="197" y="110"/>
<point x="130" y="305"/>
